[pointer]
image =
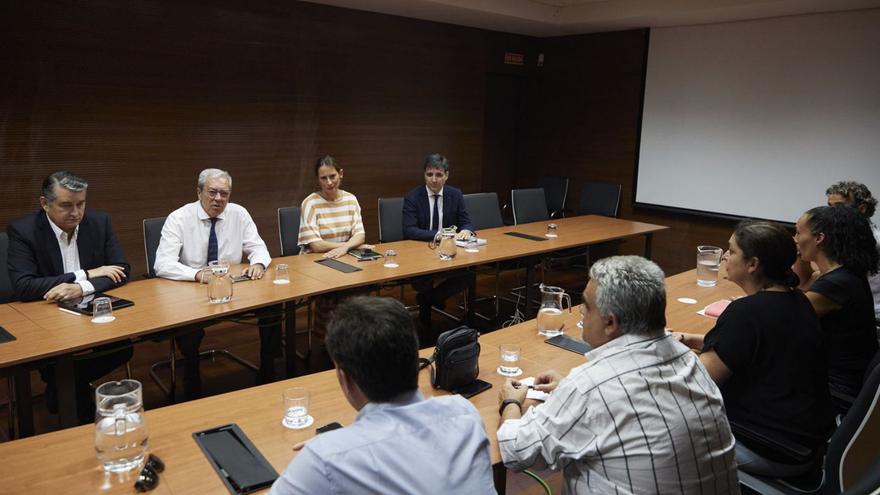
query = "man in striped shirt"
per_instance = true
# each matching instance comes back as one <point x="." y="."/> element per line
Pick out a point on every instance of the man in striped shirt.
<point x="641" y="416"/>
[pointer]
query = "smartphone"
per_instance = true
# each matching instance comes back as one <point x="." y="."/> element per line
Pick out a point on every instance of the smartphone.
<point x="240" y="278"/>
<point x="473" y="389"/>
<point x="328" y="427"/>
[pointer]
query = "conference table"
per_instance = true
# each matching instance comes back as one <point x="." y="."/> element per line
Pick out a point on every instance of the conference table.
<point x="45" y="334"/>
<point x="64" y="461"/>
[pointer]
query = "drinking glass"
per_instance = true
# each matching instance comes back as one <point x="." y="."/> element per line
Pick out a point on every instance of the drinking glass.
<point x="551" y="230"/>
<point x="391" y="259"/>
<point x="509" y="360"/>
<point x="472" y="246"/>
<point x="282" y="275"/>
<point x="708" y="263"/>
<point x="102" y="310"/>
<point x="296" y="408"/>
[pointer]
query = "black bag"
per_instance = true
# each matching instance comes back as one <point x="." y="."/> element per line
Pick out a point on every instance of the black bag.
<point x="456" y="358"/>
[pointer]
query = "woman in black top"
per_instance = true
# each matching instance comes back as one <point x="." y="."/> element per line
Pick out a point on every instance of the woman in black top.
<point x="767" y="350"/>
<point x="838" y="239"/>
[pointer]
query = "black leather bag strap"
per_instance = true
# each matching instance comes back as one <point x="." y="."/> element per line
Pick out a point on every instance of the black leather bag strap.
<point x="428" y="363"/>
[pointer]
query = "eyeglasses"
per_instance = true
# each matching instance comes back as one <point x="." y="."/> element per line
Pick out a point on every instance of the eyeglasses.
<point x="213" y="193"/>
<point x="149" y="477"/>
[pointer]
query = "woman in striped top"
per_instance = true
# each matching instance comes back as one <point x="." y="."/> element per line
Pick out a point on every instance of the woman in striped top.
<point x="331" y="218"/>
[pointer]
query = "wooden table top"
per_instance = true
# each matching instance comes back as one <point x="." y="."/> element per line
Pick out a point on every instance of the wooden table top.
<point x="258" y="412"/>
<point x="164" y="304"/>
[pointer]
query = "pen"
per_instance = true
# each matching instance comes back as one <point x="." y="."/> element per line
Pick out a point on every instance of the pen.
<point x="69" y="311"/>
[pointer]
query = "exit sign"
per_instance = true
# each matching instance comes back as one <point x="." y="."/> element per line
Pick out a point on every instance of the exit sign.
<point x="514" y="58"/>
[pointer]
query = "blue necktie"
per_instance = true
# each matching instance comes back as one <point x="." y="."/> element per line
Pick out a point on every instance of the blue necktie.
<point x="435" y="216"/>
<point x="212" y="242"/>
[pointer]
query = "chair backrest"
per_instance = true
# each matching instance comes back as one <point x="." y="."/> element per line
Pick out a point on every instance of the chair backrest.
<point x="555" y="193"/>
<point x="529" y="205"/>
<point x="853" y="449"/>
<point x="483" y="210"/>
<point x="600" y="198"/>
<point x="152" y="235"/>
<point x="390" y="219"/>
<point x="288" y="230"/>
<point x="6" y="291"/>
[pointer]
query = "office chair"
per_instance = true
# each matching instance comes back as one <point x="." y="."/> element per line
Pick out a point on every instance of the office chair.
<point x="152" y="236"/>
<point x="555" y="194"/>
<point x="484" y="213"/>
<point x="600" y="198"/>
<point x="850" y="456"/>
<point x="528" y="205"/>
<point x="390" y="219"/>
<point x="288" y="234"/>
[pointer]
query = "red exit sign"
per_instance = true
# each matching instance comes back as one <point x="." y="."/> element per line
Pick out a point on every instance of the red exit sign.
<point x="514" y="58"/>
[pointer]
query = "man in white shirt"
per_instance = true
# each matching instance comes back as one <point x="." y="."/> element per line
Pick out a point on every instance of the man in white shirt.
<point x="641" y="416"/>
<point x="65" y="252"/>
<point x="206" y="230"/>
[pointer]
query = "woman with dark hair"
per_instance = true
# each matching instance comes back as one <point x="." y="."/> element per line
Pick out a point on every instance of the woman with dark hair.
<point x="838" y="239"/>
<point x="767" y="351"/>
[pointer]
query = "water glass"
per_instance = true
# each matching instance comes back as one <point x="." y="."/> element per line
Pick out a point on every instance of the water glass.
<point x="510" y="360"/>
<point x="708" y="263"/>
<point x="551" y="230"/>
<point x="296" y="408"/>
<point x="472" y="246"/>
<point x="282" y="275"/>
<point x="391" y="259"/>
<point x="102" y="311"/>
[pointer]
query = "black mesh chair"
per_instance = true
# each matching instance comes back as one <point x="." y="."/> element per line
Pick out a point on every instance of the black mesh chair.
<point x="528" y="205"/>
<point x="6" y="293"/>
<point x="152" y="236"/>
<point x="600" y="198"/>
<point x="288" y="234"/>
<point x="483" y="210"/>
<point x="851" y="462"/>
<point x="555" y="194"/>
<point x="288" y="230"/>
<point x="390" y="219"/>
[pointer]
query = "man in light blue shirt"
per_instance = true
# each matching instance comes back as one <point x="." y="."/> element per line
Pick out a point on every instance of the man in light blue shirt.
<point x="400" y="442"/>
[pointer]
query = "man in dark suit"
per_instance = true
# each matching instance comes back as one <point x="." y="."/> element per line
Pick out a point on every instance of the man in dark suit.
<point x="64" y="253"/>
<point x="426" y="210"/>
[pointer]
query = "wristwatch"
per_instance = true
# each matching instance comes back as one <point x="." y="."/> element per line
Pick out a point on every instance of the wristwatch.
<point x="507" y="402"/>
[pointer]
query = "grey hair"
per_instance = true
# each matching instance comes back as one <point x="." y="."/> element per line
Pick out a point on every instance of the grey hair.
<point x="213" y="172"/>
<point x="63" y="179"/>
<point x="436" y="160"/>
<point x="856" y="192"/>
<point x="633" y="289"/>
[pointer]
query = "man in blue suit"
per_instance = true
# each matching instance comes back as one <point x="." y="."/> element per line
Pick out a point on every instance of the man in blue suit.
<point x="64" y="252"/>
<point x="426" y="210"/>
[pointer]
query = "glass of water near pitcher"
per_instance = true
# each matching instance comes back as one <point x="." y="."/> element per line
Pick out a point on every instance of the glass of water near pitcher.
<point x="219" y="282"/>
<point x="120" y="430"/>
<point x="444" y="243"/>
<point x="551" y="315"/>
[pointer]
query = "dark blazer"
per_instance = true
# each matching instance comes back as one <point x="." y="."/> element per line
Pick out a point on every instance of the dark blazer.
<point x="417" y="213"/>
<point x="35" y="263"/>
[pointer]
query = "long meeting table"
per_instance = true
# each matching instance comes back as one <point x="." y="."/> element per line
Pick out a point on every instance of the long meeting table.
<point x="64" y="461"/>
<point x="45" y="334"/>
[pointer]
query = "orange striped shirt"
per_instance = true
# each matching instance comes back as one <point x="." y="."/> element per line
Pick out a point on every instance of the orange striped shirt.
<point x="333" y="221"/>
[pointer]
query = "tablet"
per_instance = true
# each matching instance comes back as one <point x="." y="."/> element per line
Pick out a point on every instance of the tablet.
<point x="236" y="460"/>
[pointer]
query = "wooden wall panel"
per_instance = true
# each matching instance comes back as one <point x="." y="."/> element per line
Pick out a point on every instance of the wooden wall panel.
<point x="139" y="96"/>
<point x="583" y="113"/>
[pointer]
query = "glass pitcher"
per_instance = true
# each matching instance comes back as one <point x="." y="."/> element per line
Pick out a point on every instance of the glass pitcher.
<point x="444" y="241"/>
<point x="550" y="315"/>
<point x="120" y="431"/>
<point x="219" y="283"/>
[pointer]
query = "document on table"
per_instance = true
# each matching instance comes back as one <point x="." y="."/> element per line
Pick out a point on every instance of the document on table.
<point x="533" y="394"/>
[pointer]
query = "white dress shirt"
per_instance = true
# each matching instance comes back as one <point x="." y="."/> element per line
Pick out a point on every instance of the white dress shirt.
<point x="183" y="249"/>
<point x="431" y="225"/>
<point x="641" y="416"/>
<point x="70" y="257"/>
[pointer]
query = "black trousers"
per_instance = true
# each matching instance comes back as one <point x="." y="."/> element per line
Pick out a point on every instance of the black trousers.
<point x="269" y="320"/>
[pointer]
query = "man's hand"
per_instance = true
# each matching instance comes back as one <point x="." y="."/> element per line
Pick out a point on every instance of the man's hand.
<point x="547" y="381"/>
<point x="113" y="272"/>
<point x="336" y="252"/>
<point x="254" y="272"/>
<point x="510" y="390"/>
<point x="463" y="235"/>
<point x="63" y="292"/>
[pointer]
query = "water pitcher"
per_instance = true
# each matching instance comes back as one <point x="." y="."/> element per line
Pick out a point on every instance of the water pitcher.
<point x="444" y="242"/>
<point x="219" y="283"/>
<point x="120" y="431"/>
<point x="550" y="315"/>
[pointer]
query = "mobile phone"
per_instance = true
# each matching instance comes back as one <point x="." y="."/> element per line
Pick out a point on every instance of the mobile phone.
<point x="328" y="427"/>
<point x="239" y="278"/>
<point x="473" y="389"/>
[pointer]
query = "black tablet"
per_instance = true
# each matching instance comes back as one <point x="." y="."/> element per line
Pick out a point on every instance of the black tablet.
<point x="236" y="460"/>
